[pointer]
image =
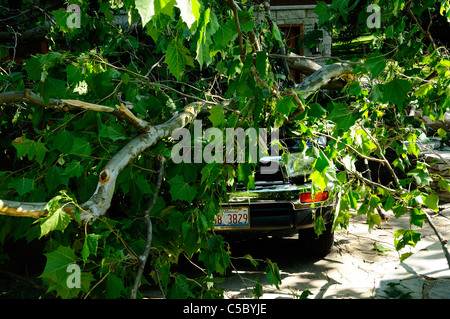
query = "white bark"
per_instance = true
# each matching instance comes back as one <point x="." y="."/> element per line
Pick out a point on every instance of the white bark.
<point x="304" y="66"/>
<point x="100" y="201"/>
<point x="322" y="77"/>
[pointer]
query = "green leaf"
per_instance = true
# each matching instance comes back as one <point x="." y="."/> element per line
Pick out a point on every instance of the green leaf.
<point x="286" y="105"/>
<point x="373" y="219"/>
<point x="179" y="189"/>
<point x="318" y="179"/>
<point x="215" y="257"/>
<point x="56" y="220"/>
<point x="342" y="116"/>
<point x="90" y="246"/>
<point x="273" y="274"/>
<point x="56" y="274"/>
<point x="61" y="16"/>
<point x="180" y="289"/>
<point x="34" y="150"/>
<point x="399" y="211"/>
<point x="444" y="184"/>
<point x="375" y="65"/>
<point x="403" y="237"/>
<point x="417" y="217"/>
<point x="114" y="287"/>
<point x="423" y="90"/>
<point x="390" y="202"/>
<point x="216" y="115"/>
<point x="113" y="131"/>
<point x="177" y="58"/>
<point x="204" y="40"/>
<point x="74" y="73"/>
<point x="190" y="11"/>
<point x="319" y="225"/>
<point x="396" y="92"/>
<point x="74" y="169"/>
<point x="57" y="262"/>
<point x="323" y="12"/>
<point x="431" y="201"/>
<point x="381" y="249"/>
<point x="52" y="88"/>
<point x="22" y="185"/>
<point x="352" y="200"/>
<point x="442" y="133"/>
<point x="80" y="146"/>
<point x="422" y="178"/>
<point x="246" y="21"/>
<point x="34" y="68"/>
<point x="224" y="35"/>
<point x="146" y="9"/>
<point x="55" y="178"/>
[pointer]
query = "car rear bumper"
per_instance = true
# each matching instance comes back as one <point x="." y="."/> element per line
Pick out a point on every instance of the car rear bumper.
<point x="280" y="216"/>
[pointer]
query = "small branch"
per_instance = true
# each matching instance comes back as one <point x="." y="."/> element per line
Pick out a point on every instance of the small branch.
<point x="131" y="118"/>
<point x="367" y="181"/>
<point x="374" y="159"/>
<point x="148" y="244"/>
<point x="441" y="239"/>
<point x="386" y="162"/>
<point x="284" y="62"/>
<point x="425" y="33"/>
<point x="234" y="8"/>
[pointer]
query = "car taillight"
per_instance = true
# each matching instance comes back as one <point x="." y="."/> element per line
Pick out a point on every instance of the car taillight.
<point x="319" y="197"/>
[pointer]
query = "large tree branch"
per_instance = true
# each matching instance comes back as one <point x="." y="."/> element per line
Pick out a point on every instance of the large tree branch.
<point x="305" y="66"/>
<point x="70" y="105"/>
<point x="21" y="209"/>
<point x="321" y="77"/>
<point x="100" y="201"/>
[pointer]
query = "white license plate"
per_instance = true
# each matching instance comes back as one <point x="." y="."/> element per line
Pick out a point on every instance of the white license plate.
<point x="233" y="218"/>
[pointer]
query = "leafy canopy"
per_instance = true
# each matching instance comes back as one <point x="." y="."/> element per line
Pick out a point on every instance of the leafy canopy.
<point x="159" y="55"/>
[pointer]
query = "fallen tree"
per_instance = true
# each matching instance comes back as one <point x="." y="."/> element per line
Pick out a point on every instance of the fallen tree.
<point x="87" y="134"/>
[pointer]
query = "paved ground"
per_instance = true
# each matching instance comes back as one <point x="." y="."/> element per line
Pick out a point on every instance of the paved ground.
<point x="353" y="269"/>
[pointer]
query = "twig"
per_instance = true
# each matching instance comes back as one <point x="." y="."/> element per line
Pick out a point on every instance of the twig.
<point x="386" y="162"/>
<point x="233" y="7"/>
<point x="143" y="258"/>
<point x="441" y="239"/>
<point x="425" y="33"/>
<point x="367" y="181"/>
<point x="374" y="159"/>
<point x="271" y="22"/>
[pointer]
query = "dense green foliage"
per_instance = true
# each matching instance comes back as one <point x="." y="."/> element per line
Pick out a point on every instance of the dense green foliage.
<point x="170" y="53"/>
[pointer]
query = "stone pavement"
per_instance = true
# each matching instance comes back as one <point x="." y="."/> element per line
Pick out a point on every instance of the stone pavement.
<point x="354" y="269"/>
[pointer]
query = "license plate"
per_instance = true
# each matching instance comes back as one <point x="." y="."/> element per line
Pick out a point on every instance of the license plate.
<point x="233" y="218"/>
